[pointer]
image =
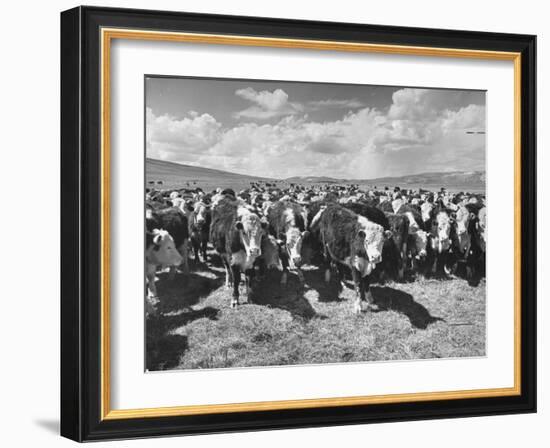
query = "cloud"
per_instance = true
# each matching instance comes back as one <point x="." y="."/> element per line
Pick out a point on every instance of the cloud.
<point x="267" y="104"/>
<point x="336" y="104"/>
<point x="169" y="137"/>
<point x="417" y="132"/>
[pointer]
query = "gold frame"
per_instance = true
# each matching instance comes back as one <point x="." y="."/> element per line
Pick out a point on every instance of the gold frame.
<point x="107" y="35"/>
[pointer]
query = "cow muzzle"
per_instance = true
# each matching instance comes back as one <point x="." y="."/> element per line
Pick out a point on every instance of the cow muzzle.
<point x="254" y="252"/>
<point x="377" y="258"/>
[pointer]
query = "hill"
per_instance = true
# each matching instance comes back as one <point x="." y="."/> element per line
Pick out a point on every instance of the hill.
<point x="452" y="180"/>
<point x="177" y="175"/>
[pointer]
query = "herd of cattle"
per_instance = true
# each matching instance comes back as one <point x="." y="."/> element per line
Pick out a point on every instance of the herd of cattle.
<point x="376" y="234"/>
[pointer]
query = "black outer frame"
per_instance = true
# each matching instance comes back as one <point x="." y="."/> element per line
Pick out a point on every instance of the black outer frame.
<point x="80" y="223"/>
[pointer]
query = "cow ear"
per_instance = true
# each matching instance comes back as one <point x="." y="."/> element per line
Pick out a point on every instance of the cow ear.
<point x="361" y="234"/>
<point x="388" y="234"/>
<point x="264" y="223"/>
<point x="239" y="225"/>
<point x="305" y="234"/>
<point x="156" y="241"/>
<point x="473" y="215"/>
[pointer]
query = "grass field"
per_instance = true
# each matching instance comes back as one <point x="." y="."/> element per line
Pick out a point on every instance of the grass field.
<point x="196" y="328"/>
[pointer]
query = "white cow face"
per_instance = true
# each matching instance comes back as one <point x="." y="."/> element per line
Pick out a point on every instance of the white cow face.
<point x="482" y="228"/>
<point x="426" y="210"/>
<point x="163" y="250"/>
<point x="251" y="230"/>
<point x="421" y="243"/>
<point x="294" y="239"/>
<point x="200" y="211"/>
<point x="462" y="220"/>
<point x="442" y="233"/>
<point x="373" y="237"/>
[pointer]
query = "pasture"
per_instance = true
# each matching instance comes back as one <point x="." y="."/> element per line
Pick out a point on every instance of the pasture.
<point x="289" y="325"/>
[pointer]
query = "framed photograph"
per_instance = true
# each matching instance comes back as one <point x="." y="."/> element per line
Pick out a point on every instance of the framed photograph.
<point x="274" y="223"/>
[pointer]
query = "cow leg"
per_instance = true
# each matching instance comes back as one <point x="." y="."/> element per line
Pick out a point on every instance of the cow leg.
<point x="284" y="261"/>
<point x="300" y="275"/>
<point x="359" y="290"/>
<point x="403" y="262"/>
<point x="184" y="252"/>
<point x="341" y="275"/>
<point x="195" y="245"/>
<point x="204" y="247"/>
<point x="368" y="296"/>
<point x="248" y="279"/>
<point x="236" y="271"/>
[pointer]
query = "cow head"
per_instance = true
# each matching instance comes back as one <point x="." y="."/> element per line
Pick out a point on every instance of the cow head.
<point x="200" y="214"/>
<point x="251" y="230"/>
<point x="163" y="249"/>
<point x="481" y="227"/>
<point x="372" y="237"/>
<point x="462" y="222"/>
<point x="426" y="210"/>
<point x="294" y="239"/>
<point x="441" y="232"/>
<point x="421" y="244"/>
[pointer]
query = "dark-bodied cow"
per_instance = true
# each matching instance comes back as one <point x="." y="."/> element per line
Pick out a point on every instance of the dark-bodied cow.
<point x="395" y="248"/>
<point x="287" y="222"/>
<point x="200" y="229"/>
<point x="174" y="221"/>
<point x="354" y="241"/>
<point x="236" y="234"/>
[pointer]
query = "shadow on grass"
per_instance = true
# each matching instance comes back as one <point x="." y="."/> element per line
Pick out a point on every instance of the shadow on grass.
<point x="186" y="291"/>
<point x="164" y="349"/>
<point x="290" y="297"/>
<point x="393" y="299"/>
<point x="328" y="292"/>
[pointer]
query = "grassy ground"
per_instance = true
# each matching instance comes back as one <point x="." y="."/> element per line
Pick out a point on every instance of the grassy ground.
<point x="196" y="328"/>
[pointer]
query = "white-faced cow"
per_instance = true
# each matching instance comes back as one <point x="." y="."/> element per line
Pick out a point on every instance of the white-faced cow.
<point x="160" y="251"/>
<point x="200" y="229"/>
<point x="441" y="239"/>
<point x="354" y="241"/>
<point x="287" y="223"/>
<point x="175" y="223"/>
<point x="236" y="234"/>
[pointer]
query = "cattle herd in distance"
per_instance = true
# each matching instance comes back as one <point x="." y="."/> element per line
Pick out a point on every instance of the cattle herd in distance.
<point x="371" y="234"/>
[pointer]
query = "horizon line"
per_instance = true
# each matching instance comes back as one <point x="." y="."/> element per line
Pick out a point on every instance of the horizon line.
<point x="317" y="176"/>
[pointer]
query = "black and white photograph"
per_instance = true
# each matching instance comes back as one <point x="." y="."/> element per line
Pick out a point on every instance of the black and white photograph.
<point x="294" y="223"/>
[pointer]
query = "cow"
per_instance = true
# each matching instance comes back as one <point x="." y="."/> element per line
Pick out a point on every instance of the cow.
<point x="426" y="210"/>
<point x="160" y="250"/>
<point x="441" y="239"/>
<point x="236" y="234"/>
<point x="354" y="241"/>
<point x="395" y="248"/>
<point x="288" y="222"/>
<point x="200" y="229"/>
<point x="174" y="221"/>
<point x="420" y="252"/>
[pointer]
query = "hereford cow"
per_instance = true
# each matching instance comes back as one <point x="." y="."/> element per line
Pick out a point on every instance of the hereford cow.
<point x="200" y="229"/>
<point x="354" y="241"/>
<point x="160" y="250"/>
<point x="236" y="234"/>
<point x="174" y="222"/>
<point x="441" y="239"/>
<point x="287" y="222"/>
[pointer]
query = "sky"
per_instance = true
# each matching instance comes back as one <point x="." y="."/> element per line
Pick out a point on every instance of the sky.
<point x="282" y="129"/>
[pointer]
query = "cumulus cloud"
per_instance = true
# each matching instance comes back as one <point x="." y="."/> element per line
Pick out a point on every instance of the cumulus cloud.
<point x="337" y="104"/>
<point x="266" y="104"/>
<point x="420" y="131"/>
